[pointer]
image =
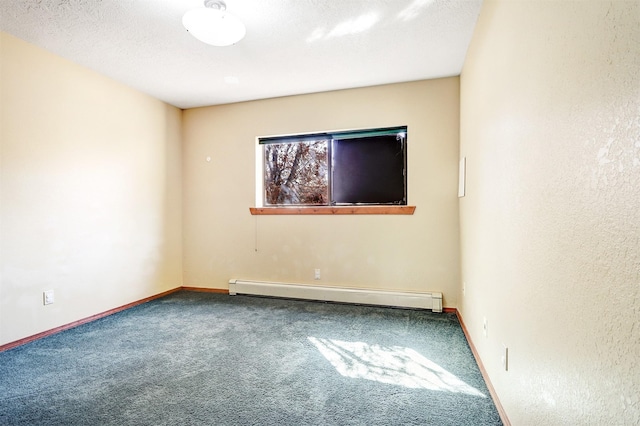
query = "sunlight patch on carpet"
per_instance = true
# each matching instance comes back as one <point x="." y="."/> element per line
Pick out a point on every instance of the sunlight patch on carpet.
<point x="393" y="365"/>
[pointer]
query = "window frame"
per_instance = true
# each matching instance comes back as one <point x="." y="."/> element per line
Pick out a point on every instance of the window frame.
<point x="261" y="208"/>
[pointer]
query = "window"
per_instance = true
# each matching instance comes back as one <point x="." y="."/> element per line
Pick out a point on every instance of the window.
<point x="361" y="167"/>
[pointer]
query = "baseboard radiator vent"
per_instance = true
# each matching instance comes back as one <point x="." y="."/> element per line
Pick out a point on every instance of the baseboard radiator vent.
<point x="361" y="296"/>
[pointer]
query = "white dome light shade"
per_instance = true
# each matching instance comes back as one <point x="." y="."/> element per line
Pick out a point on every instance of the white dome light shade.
<point x="214" y="26"/>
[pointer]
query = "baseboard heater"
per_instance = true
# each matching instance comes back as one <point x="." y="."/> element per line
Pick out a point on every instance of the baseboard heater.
<point x="362" y="296"/>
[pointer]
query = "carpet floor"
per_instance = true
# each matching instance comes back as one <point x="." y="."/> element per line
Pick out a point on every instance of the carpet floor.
<point x="194" y="358"/>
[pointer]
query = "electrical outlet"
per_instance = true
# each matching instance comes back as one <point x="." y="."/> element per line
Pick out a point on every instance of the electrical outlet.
<point x="464" y="285"/>
<point x="47" y="297"/>
<point x="505" y="357"/>
<point x="485" y="327"/>
<point x="316" y="274"/>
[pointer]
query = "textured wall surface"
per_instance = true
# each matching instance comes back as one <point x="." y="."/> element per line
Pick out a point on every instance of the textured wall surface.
<point x="416" y="253"/>
<point x="90" y="192"/>
<point x="550" y="226"/>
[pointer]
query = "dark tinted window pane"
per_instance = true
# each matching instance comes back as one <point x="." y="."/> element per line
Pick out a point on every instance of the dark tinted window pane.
<point x="369" y="170"/>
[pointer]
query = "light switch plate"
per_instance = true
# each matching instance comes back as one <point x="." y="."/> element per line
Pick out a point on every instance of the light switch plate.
<point x="505" y="357"/>
<point x="48" y="297"/>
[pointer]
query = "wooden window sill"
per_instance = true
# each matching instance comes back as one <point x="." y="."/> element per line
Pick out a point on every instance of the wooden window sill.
<point x="405" y="210"/>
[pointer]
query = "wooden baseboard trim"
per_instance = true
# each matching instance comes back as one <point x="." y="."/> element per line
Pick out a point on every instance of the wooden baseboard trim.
<point x="449" y="310"/>
<point x="492" y="391"/>
<point x="73" y="324"/>
<point x="206" y="290"/>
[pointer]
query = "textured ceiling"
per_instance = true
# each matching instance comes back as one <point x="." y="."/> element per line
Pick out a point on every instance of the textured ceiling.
<point x="291" y="46"/>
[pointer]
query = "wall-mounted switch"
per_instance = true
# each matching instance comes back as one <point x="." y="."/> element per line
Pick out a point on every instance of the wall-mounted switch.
<point x="462" y="177"/>
<point x="47" y="297"/>
<point x="505" y="357"/>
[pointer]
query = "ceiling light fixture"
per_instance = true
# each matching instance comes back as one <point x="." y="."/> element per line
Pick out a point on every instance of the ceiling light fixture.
<point x="213" y="25"/>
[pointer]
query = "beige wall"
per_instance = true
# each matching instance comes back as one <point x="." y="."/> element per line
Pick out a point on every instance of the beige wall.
<point x="91" y="203"/>
<point x="416" y="253"/>
<point x="550" y="107"/>
<point x="90" y="192"/>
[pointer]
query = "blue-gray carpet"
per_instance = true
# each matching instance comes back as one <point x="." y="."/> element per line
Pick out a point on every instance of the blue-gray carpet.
<point x="210" y="359"/>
